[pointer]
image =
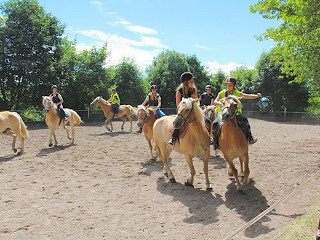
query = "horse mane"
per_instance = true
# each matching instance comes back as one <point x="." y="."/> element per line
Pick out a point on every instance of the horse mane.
<point x="236" y="99"/>
<point x="142" y="107"/>
<point x="196" y="109"/>
<point x="103" y="101"/>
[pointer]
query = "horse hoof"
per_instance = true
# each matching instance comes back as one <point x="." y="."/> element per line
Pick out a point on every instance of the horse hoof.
<point x="172" y="180"/>
<point x="15" y="150"/>
<point x="19" y="153"/>
<point x="50" y="144"/>
<point x="188" y="184"/>
<point x="240" y="190"/>
<point x="56" y="145"/>
<point x="209" y="189"/>
<point x="166" y="174"/>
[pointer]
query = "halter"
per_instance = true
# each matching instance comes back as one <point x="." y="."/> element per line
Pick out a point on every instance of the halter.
<point x="50" y="104"/>
<point x="145" y="119"/>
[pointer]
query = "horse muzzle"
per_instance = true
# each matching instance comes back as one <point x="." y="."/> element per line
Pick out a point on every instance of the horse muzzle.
<point x="92" y="104"/>
<point x="47" y="109"/>
<point x="139" y="124"/>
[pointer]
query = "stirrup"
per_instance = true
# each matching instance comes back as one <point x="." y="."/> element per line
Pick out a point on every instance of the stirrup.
<point x="253" y="140"/>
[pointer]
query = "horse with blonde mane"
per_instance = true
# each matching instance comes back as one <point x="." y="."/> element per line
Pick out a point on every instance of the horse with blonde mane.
<point x="124" y="110"/>
<point x="53" y="120"/>
<point x="11" y="124"/>
<point x="211" y="113"/>
<point x="195" y="142"/>
<point x="146" y="119"/>
<point x="233" y="142"/>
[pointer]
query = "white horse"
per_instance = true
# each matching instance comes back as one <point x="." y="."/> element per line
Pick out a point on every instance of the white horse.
<point x="53" y="119"/>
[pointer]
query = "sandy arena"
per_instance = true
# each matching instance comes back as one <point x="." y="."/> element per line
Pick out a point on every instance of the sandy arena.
<point x="105" y="187"/>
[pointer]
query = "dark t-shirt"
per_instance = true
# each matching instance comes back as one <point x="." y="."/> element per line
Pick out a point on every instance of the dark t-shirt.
<point x="206" y="99"/>
<point x="189" y="94"/>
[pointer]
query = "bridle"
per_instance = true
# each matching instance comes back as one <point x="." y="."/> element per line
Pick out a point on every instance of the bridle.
<point x="146" y="117"/>
<point x="231" y="113"/>
<point x="186" y="120"/>
<point x="48" y="104"/>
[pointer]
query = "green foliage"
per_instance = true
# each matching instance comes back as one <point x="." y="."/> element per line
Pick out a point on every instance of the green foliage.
<point x="29" y="43"/>
<point x="32" y="114"/>
<point x="218" y="82"/>
<point x="166" y="70"/>
<point x="297" y="37"/>
<point x="128" y="80"/>
<point x="273" y="82"/>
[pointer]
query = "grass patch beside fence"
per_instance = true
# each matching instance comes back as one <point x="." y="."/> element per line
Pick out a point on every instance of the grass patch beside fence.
<point x="303" y="228"/>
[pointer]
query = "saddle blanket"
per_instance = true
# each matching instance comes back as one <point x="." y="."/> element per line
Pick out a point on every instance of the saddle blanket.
<point x="65" y="112"/>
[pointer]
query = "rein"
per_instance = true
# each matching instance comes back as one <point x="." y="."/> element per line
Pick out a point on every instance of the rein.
<point x="185" y="119"/>
<point x="146" y="117"/>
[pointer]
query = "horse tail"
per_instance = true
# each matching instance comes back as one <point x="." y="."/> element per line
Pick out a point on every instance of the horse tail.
<point x="23" y="127"/>
<point x="77" y="118"/>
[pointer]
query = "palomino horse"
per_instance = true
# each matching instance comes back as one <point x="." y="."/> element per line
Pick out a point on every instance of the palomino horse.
<point x="146" y="119"/>
<point x="195" y="142"/>
<point x="11" y="124"/>
<point x="232" y="141"/>
<point x="53" y="119"/>
<point x="124" y="110"/>
<point x="211" y="113"/>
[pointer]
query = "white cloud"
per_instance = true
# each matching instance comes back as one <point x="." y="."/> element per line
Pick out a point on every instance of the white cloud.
<point x="214" y="66"/>
<point x="121" y="47"/>
<point x="142" y="30"/>
<point x="203" y="47"/>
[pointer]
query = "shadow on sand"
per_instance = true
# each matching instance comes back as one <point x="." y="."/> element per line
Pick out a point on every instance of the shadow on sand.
<point x="151" y="166"/>
<point x="202" y="205"/>
<point x="9" y="158"/>
<point x="49" y="150"/>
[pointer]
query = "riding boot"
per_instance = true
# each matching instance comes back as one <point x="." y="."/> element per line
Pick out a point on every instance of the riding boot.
<point x="174" y="136"/>
<point x="245" y="127"/>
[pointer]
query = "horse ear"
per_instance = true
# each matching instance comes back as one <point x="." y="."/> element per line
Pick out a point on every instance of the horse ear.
<point x="194" y="100"/>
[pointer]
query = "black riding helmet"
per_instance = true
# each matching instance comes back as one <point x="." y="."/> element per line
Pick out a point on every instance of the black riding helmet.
<point x="186" y="76"/>
<point x="153" y="87"/>
<point x="208" y="87"/>
<point x="231" y="79"/>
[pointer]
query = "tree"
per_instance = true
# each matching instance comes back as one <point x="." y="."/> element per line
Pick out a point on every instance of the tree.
<point x="166" y="70"/>
<point x="128" y="80"/>
<point x="281" y="87"/>
<point x="297" y="37"/>
<point x="29" y="43"/>
<point x="218" y="82"/>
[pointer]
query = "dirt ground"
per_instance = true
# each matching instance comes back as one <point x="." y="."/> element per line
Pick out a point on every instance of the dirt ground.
<point x="105" y="187"/>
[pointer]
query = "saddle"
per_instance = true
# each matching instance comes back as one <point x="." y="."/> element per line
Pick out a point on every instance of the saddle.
<point x="183" y="130"/>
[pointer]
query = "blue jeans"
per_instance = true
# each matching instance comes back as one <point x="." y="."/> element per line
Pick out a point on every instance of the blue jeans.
<point x="160" y="113"/>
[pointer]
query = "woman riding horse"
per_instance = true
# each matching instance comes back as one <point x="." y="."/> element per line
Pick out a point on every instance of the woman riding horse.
<point x="58" y="100"/>
<point x="187" y="89"/>
<point x="115" y="102"/>
<point x="153" y="101"/>
<point x="243" y="122"/>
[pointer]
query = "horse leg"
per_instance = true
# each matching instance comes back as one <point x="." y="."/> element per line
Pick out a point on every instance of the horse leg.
<point x="55" y="139"/>
<point x="72" y="131"/>
<point x="206" y="171"/>
<point x="164" y="155"/>
<point x="130" y="119"/>
<point x="150" y="148"/>
<point x="241" y="168"/>
<point x="123" y="121"/>
<point x="245" y="161"/>
<point x="68" y="132"/>
<point x="14" y="139"/>
<point x="50" y="138"/>
<point x="21" y="139"/>
<point x="235" y="172"/>
<point x="189" y="182"/>
<point x="111" y="126"/>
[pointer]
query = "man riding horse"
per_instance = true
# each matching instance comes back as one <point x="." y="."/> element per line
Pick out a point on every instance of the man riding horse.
<point x="115" y="102"/>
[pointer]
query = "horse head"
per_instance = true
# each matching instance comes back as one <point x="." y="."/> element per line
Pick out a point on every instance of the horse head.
<point x="47" y="103"/>
<point x="95" y="101"/>
<point x="210" y="112"/>
<point x="229" y="108"/>
<point x="143" y="114"/>
<point x="185" y="108"/>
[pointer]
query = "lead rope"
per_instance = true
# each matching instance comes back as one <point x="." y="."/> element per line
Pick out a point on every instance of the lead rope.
<point x="265" y="212"/>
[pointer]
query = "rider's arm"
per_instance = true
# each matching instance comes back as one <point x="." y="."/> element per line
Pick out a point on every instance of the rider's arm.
<point x="61" y="99"/>
<point x="159" y="103"/>
<point x="178" y="98"/>
<point x="212" y="101"/>
<point x="249" y="96"/>
<point x="199" y="100"/>
<point x="217" y="100"/>
<point x="195" y="95"/>
<point x="144" y="102"/>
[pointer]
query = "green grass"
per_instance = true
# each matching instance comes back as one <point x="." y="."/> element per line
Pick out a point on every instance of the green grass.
<point x="303" y="228"/>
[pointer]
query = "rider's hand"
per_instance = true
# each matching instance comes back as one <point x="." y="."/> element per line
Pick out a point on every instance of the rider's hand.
<point x="258" y="94"/>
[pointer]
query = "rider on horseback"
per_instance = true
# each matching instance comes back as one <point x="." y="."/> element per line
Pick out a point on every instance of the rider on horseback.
<point x="115" y="102"/>
<point x="242" y="120"/>
<point x="186" y="89"/>
<point x="58" y="100"/>
<point x="207" y="98"/>
<point x="153" y="100"/>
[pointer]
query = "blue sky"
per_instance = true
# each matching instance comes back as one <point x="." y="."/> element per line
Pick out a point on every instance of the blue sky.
<point x="222" y="34"/>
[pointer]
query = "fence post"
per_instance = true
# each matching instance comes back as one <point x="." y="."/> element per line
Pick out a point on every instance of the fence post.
<point x="284" y="113"/>
<point x="88" y="112"/>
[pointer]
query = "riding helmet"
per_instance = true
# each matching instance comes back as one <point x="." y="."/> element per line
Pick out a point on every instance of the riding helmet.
<point x="113" y="89"/>
<point x="208" y="87"/>
<point x="153" y="87"/>
<point x="186" y="76"/>
<point x="231" y="79"/>
<point x="54" y="86"/>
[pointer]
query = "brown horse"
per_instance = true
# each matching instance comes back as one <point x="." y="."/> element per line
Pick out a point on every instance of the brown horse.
<point x="146" y="119"/>
<point x="11" y="124"/>
<point x="53" y="119"/>
<point x="124" y="110"/>
<point x="195" y="142"/>
<point x="233" y="142"/>
<point x="211" y="113"/>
